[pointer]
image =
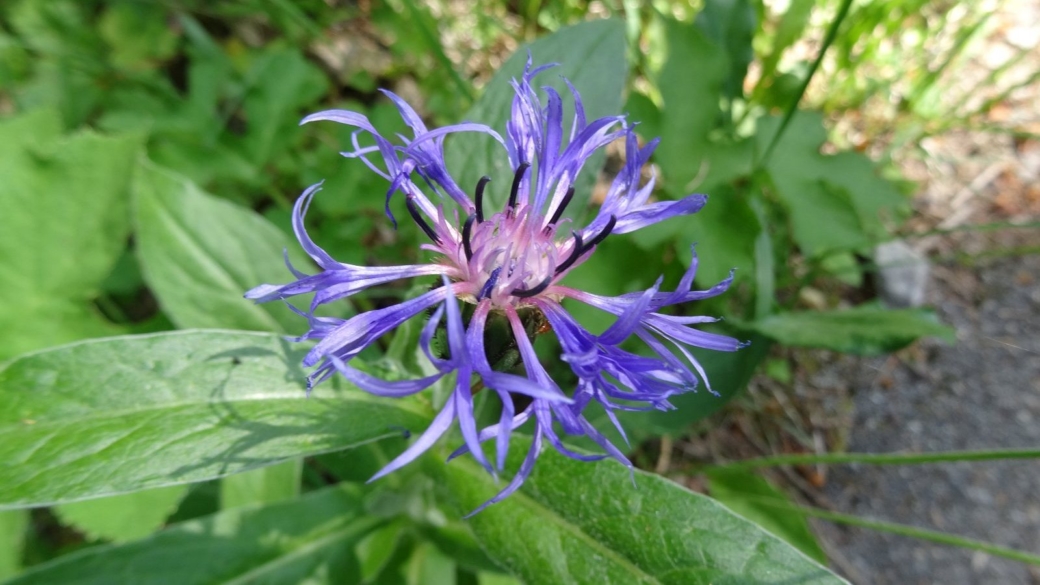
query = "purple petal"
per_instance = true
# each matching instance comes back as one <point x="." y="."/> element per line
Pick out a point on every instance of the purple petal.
<point x="380" y="387"/>
<point x="441" y="423"/>
<point x="521" y="474"/>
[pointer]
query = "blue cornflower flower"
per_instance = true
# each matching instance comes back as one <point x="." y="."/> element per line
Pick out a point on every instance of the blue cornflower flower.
<point x="508" y="266"/>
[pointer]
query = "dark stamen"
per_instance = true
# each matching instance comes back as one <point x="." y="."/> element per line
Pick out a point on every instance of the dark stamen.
<point x="523" y="294"/>
<point x="480" y="197"/>
<point x="603" y="234"/>
<point x="563" y="205"/>
<point x="467" y="229"/>
<point x="485" y="291"/>
<point x="520" y="170"/>
<point x="574" y="254"/>
<point x="409" y="202"/>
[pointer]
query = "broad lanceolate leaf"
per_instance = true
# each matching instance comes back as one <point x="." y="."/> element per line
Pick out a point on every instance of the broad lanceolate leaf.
<point x="591" y="55"/>
<point x="63" y="223"/>
<point x="305" y="540"/>
<point x="862" y="330"/>
<point x="744" y="491"/>
<point x="199" y="255"/>
<point x="118" y="415"/>
<point x="579" y="522"/>
<point x="124" y="517"/>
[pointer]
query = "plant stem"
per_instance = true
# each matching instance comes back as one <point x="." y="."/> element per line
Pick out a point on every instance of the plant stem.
<point x="883" y="458"/>
<point x="904" y="530"/>
<point x="828" y="40"/>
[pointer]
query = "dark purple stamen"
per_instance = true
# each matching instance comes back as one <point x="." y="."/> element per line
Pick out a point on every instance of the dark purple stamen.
<point x="575" y="253"/>
<point x="520" y="170"/>
<point x="523" y="294"/>
<point x="602" y="235"/>
<point x="485" y="291"/>
<point x="467" y="229"/>
<point x="563" y="205"/>
<point x="409" y="202"/>
<point x="480" y="196"/>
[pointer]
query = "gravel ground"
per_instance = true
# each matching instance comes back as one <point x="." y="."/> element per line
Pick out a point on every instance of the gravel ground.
<point x="983" y="392"/>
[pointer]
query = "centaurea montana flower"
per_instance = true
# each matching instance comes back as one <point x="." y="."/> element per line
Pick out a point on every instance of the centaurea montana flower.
<point x="509" y="265"/>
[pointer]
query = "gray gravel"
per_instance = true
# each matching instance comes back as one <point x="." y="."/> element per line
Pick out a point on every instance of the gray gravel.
<point x="983" y="392"/>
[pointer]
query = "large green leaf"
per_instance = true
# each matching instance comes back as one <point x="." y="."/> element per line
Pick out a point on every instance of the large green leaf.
<point x="305" y="540"/>
<point x="117" y="415"/>
<point x="63" y="224"/>
<point x="744" y="492"/>
<point x="591" y="55"/>
<point x="199" y="255"/>
<point x="579" y="522"/>
<point x="861" y="330"/>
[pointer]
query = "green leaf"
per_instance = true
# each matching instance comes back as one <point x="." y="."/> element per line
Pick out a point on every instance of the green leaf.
<point x="377" y="549"/>
<point x="456" y="540"/>
<point x="124" y="517"/>
<point x="429" y="566"/>
<point x="581" y="522"/>
<point x="281" y="82"/>
<point x="267" y="485"/>
<point x="730" y="24"/>
<point x="862" y="330"/>
<point x="118" y="415"/>
<point x="199" y="254"/>
<point x="138" y="34"/>
<point x="691" y="84"/>
<point x="306" y="540"/>
<point x="835" y="201"/>
<point x="725" y="231"/>
<point x="743" y="492"/>
<point x="13" y="524"/>
<point x="63" y="224"/>
<point x="591" y="55"/>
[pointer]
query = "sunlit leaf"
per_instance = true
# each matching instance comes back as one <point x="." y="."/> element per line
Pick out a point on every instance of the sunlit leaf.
<point x="267" y="485"/>
<point x="124" y="517"/>
<point x="200" y="254"/>
<point x="118" y="415"/>
<point x="63" y="224"/>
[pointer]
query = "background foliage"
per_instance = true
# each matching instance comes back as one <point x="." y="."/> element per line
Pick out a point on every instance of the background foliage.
<point x="150" y="155"/>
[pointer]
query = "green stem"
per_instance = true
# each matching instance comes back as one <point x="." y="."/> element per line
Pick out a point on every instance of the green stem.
<point x="434" y="43"/>
<point x="832" y="33"/>
<point x="904" y="530"/>
<point x="883" y="458"/>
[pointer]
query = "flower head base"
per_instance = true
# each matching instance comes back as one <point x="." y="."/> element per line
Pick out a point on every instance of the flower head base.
<point x="507" y="265"/>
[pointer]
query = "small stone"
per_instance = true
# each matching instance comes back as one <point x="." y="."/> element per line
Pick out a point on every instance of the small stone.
<point x="902" y="274"/>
